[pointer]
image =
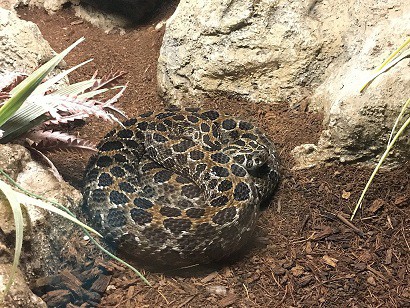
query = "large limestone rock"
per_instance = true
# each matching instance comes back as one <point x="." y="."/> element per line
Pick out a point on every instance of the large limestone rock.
<point x="22" y="46"/>
<point x="20" y="295"/>
<point x="260" y="50"/>
<point x="357" y="125"/>
<point x="50" y="6"/>
<point x="294" y="52"/>
<point x="45" y="234"/>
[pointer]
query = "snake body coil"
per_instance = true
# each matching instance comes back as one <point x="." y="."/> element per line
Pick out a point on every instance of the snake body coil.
<point x="180" y="187"/>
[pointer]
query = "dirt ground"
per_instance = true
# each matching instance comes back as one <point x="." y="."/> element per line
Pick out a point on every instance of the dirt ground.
<point x="302" y="255"/>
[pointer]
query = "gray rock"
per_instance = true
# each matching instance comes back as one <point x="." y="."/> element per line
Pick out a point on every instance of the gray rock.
<point x="292" y="52"/>
<point x="20" y="295"/>
<point x="22" y="46"/>
<point x="259" y="50"/>
<point x="45" y="234"/>
<point x="51" y="6"/>
<point x="357" y="126"/>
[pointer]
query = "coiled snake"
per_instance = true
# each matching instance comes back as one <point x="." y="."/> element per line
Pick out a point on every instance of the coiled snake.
<point x="180" y="187"/>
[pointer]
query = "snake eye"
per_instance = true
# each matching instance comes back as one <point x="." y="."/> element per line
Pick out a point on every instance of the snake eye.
<point x="197" y="135"/>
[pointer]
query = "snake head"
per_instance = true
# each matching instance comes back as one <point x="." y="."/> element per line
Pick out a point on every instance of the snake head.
<point x="256" y="159"/>
<point x="252" y="159"/>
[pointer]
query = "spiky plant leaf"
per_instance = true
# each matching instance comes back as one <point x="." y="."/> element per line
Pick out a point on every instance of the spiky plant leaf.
<point x="45" y="86"/>
<point x="4" y="95"/>
<point x="23" y="90"/>
<point x="92" y="87"/>
<point x="53" y="141"/>
<point x="65" y="109"/>
<point x="75" y="88"/>
<point x="10" y="80"/>
<point x="90" y="94"/>
<point x="24" y="120"/>
<point x="107" y="81"/>
<point x="41" y="157"/>
<point x="109" y="104"/>
<point x="81" y="107"/>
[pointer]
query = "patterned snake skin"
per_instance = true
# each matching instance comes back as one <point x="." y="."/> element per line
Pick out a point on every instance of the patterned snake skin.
<point x="180" y="187"/>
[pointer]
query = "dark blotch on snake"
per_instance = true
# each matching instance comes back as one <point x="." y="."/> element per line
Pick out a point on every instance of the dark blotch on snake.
<point x="105" y="179"/>
<point x="220" y="201"/>
<point x="104" y="161"/>
<point x="143" y="203"/>
<point x="162" y="176"/>
<point x="224" y="216"/>
<point x="191" y="191"/>
<point x="241" y="192"/>
<point x="111" y="146"/>
<point x="195" y="212"/>
<point x="176" y="226"/>
<point x="117" y="171"/>
<point x="170" y="211"/>
<point x="118" y="197"/>
<point x="116" y="218"/>
<point x="140" y="216"/>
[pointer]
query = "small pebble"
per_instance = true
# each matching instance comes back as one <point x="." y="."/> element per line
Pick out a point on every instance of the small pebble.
<point x="159" y="25"/>
<point x="370" y="280"/>
<point x="218" y="290"/>
<point x="278" y="270"/>
<point x="297" y="270"/>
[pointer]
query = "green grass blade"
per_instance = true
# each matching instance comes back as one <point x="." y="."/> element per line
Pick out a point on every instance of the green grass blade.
<point x="85" y="230"/>
<point x="12" y="198"/>
<point x="75" y="88"/>
<point x="407" y="42"/>
<point x="118" y="259"/>
<point x="376" y="169"/>
<point x="23" y="90"/>
<point x="23" y="198"/>
<point x="400" y="116"/>
<point x="20" y="124"/>
<point x="385" y="68"/>
<point x="29" y="197"/>
<point x="91" y="94"/>
<point x="379" y="70"/>
<point x="44" y="87"/>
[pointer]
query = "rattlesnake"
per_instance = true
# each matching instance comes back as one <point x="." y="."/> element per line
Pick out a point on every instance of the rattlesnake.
<point x="180" y="187"/>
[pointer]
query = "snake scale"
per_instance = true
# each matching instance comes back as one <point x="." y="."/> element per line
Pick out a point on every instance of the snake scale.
<point x="181" y="186"/>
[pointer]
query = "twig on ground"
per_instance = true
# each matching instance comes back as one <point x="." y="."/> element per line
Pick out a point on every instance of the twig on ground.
<point x="404" y="236"/>
<point x="349" y="224"/>
<point x="377" y="273"/>
<point x="283" y="298"/>
<point x="304" y="223"/>
<point x="187" y="301"/>
<point x="332" y="280"/>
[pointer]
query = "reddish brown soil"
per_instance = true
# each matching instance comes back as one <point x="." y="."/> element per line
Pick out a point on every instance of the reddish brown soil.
<point x="303" y="255"/>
